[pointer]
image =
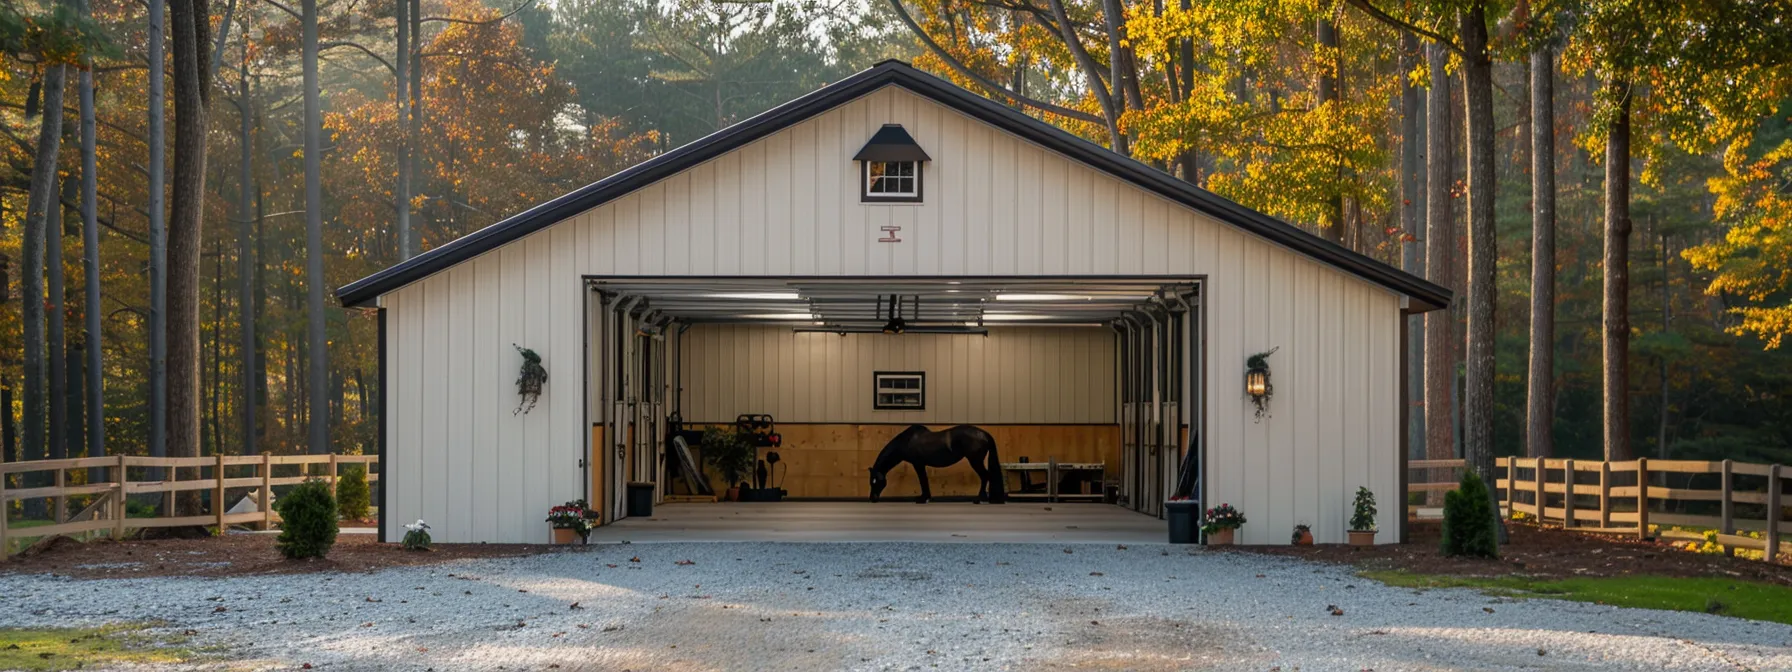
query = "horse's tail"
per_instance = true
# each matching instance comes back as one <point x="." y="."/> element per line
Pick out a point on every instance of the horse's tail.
<point x="998" y="484"/>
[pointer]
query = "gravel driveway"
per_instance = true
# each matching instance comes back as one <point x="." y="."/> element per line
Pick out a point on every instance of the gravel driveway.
<point x="889" y="606"/>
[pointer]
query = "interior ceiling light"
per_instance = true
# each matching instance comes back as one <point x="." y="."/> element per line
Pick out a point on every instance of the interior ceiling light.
<point x="1005" y="296"/>
<point x="761" y="296"/>
<point x="1012" y="317"/>
<point x="780" y="316"/>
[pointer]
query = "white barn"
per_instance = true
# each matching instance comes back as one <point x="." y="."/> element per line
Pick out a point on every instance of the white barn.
<point x="1079" y="305"/>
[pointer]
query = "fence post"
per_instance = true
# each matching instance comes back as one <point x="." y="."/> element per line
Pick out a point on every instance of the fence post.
<point x="1511" y="487"/>
<point x="1642" y="498"/>
<point x="1773" y="513"/>
<point x="1538" y="488"/>
<point x="1728" y="524"/>
<point x="332" y="475"/>
<point x="218" y="494"/>
<point x="59" y="513"/>
<point x="1567" y="493"/>
<point x="267" y="492"/>
<point x="122" y="510"/>
<point x="5" y="511"/>
<point x="1605" y="494"/>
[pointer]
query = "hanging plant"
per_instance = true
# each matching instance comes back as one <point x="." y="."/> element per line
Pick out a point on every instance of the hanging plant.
<point x="1256" y="381"/>
<point x="529" y="380"/>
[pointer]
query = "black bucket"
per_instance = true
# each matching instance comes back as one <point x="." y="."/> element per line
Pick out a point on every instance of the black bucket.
<point x="640" y="500"/>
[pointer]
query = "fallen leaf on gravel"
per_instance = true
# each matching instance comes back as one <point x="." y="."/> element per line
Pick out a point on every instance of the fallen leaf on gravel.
<point x="372" y="600"/>
<point x="559" y="634"/>
<point x="306" y="666"/>
<point x="575" y="605"/>
<point x="520" y="590"/>
<point x="422" y="649"/>
<point x="1068" y="551"/>
<point x="1334" y="609"/>
<point x="1096" y="574"/>
<point x="1542" y="652"/>
<point x="1094" y="622"/>
<point x="220" y="609"/>
<point x="1487" y="609"/>
<point x="685" y="562"/>
<point x="368" y="624"/>
<point x="1120" y="547"/>
<point x="635" y="559"/>
<point x="610" y="566"/>
<point x="1261" y="576"/>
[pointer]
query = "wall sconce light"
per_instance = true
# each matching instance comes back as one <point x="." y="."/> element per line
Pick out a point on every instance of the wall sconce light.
<point x="1256" y="381"/>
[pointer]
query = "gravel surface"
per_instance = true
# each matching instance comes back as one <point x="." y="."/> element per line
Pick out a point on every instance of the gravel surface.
<point x="890" y="606"/>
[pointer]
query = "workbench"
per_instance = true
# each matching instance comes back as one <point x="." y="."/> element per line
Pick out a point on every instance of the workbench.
<point x="1053" y="468"/>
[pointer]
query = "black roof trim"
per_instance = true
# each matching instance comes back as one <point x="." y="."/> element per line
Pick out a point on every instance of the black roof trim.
<point x="892" y="143"/>
<point x="1424" y="295"/>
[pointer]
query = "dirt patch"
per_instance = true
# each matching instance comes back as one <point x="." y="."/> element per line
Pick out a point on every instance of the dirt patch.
<point x="1550" y="552"/>
<point x="238" y="555"/>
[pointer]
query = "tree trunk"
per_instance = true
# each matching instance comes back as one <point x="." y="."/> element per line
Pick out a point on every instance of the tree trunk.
<point x="57" y="296"/>
<point x="1412" y="230"/>
<point x="191" y="24"/>
<point x="1540" y="382"/>
<point x="1110" y="108"/>
<point x="402" y="187"/>
<point x="263" y="410"/>
<point x="40" y="198"/>
<point x="1191" y="159"/>
<point x="1616" y="316"/>
<point x="1440" y="246"/>
<point x="158" y="241"/>
<point x="90" y="254"/>
<point x="1326" y="37"/>
<point x="317" y="433"/>
<point x="245" y="261"/>
<point x="1483" y="255"/>
<point x="75" y="417"/>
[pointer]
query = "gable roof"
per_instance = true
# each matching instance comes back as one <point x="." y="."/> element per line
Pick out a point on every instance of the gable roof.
<point x="1424" y="295"/>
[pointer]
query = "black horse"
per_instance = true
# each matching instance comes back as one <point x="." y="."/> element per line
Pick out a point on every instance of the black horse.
<point x="923" y="448"/>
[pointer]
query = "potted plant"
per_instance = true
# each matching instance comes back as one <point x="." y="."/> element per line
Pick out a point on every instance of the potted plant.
<point x="1220" y="523"/>
<point x="1184" y="515"/>
<point x="731" y="453"/>
<point x="1362" y="523"/>
<point x="572" y="520"/>
<point x="1303" y="535"/>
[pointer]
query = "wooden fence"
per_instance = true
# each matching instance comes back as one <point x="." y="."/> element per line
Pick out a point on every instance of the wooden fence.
<point x="107" y="482"/>
<point x="1431" y="476"/>
<point x="1725" y="497"/>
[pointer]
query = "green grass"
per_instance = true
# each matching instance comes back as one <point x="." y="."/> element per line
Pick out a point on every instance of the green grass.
<point x="1729" y="597"/>
<point x="44" y="649"/>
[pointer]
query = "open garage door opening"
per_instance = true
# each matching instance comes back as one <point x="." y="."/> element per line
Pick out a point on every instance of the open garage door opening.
<point x="1087" y="386"/>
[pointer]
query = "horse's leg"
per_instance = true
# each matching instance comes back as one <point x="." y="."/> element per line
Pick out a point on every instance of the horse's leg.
<point x="982" y="479"/>
<point x="921" y="475"/>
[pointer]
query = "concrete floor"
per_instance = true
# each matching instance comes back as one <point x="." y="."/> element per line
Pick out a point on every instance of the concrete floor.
<point x="938" y="522"/>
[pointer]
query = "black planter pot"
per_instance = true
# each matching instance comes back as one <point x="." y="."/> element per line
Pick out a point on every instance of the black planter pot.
<point x="1184" y="517"/>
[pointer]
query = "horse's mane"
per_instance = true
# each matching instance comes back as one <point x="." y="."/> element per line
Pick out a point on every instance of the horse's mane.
<point x="888" y="458"/>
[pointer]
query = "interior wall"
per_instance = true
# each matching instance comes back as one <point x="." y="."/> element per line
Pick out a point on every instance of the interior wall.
<point x="1014" y="375"/>
<point x="831" y="460"/>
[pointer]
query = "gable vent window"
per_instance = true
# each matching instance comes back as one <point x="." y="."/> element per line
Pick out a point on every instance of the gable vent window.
<point x="891" y="167"/>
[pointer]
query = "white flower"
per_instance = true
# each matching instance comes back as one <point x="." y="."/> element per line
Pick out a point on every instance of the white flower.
<point x="417" y="526"/>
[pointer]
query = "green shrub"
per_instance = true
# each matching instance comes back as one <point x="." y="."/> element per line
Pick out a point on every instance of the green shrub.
<point x="308" y="521"/>
<point x="1468" y="520"/>
<point x="352" y="496"/>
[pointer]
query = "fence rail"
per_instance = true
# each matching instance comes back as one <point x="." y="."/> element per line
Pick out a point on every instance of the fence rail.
<point x="1621" y="497"/>
<point x="110" y="479"/>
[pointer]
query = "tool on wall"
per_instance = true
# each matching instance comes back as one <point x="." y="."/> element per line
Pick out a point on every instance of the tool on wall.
<point x="763" y="429"/>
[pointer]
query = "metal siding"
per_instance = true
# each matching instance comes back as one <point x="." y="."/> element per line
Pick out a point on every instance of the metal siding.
<point x="994" y="205"/>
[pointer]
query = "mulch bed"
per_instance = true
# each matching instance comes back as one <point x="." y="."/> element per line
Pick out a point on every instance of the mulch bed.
<point x="236" y="555"/>
<point x="1549" y="552"/>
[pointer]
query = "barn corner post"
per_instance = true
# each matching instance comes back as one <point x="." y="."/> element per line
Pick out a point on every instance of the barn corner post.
<point x="1404" y="442"/>
<point x="384" y="397"/>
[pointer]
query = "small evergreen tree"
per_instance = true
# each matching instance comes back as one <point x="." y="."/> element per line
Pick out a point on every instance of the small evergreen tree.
<point x="352" y="495"/>
<point x="1468" y="520"/>
<point x="308" y="521"/>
